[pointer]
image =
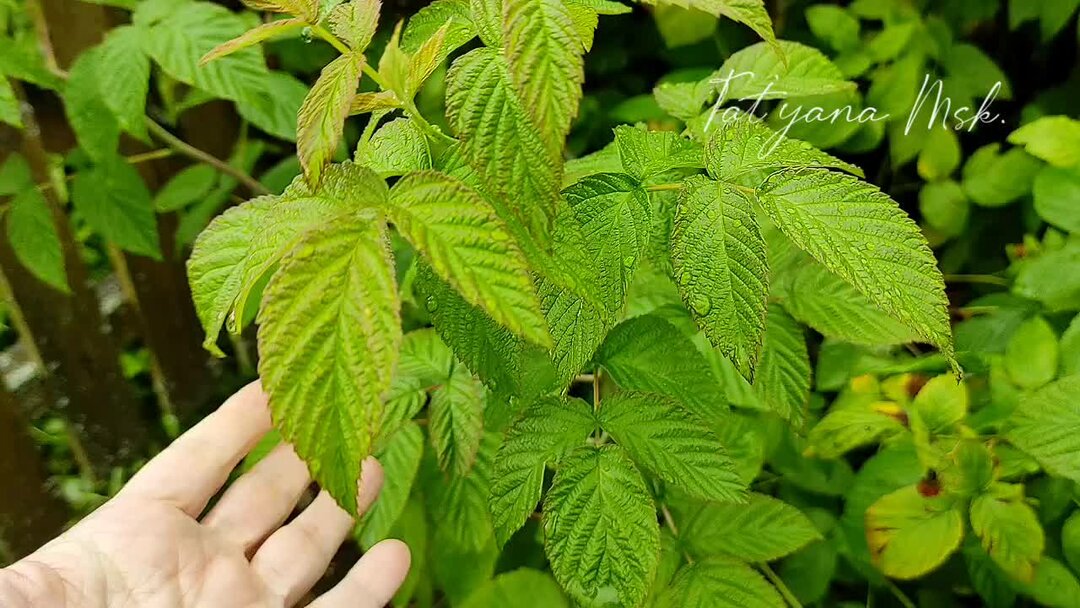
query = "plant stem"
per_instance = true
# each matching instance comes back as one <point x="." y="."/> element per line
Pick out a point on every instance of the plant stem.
<point x="134" y="159"/>
<point x="194" y="153"/>
<point x="777" y="582"/>
<point x="334" y="41"/>
<point x="984" y="279"/>
<point x="899" y="595"/>
<point x="663" y="187"/>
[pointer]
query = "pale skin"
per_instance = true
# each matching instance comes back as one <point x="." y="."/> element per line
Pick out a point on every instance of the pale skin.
<point x="156" y="545"/>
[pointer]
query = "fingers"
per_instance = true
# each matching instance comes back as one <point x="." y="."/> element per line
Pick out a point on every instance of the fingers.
<point x="293" y="559"/>
<point x="191" y="470"/>
<point x="257" y="503"/>
<point x="373" y="581"/>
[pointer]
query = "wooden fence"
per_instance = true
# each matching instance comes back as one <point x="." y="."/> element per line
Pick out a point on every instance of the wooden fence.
<point x="66" y="362"/>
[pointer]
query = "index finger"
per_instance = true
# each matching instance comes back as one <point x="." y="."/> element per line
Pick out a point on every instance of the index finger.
<point x="191" y="470"/>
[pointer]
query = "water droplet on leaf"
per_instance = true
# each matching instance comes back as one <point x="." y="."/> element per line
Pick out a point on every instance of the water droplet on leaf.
<point x="701" y="305"/>
<point x="431" y="304"/>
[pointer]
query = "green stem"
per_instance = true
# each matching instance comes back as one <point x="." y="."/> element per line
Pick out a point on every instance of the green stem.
<point x="194" y="153"/>
<point x="779" y="584"/>
<point x="334" y="41"/>
<point x="984" y="279"/>
<point x="663" y="187"/>
<point x="899" y="595"/>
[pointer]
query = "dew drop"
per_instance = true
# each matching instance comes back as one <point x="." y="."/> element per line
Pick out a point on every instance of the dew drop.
<point x="431" y="304"/>
<point x="701" y="305"/>
<point x="684" y="280"/>
<point x="306" y="35"/>
<point x="628" y="261"/>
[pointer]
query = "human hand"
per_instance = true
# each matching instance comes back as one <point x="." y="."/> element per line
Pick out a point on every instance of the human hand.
<point x="148" y="546"/>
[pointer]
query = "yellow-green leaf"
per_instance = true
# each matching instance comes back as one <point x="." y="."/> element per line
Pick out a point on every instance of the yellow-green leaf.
<point x="328" y="340"/>
<point x="322" y="116"/>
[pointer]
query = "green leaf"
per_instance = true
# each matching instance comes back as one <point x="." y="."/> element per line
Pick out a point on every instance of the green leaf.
<point x="910" y="534"/>
<point x="1055" y="139"/>
<point x="460" y="503"/>
<point x="284" y="96"/>
<point x="32" y="235"/>
<point x="487" y="16"/>
<point x="615" y="218"/>
<point x="261" y="33"/>
<point x="499" y="141"/>
<point x="673" y="444"/>
<point x="1046" y="426"/>
<point x="995" y="180"/>
<point x="834" y="25"/>
<point x="546" y="69"/>
<point x="940" y="155"/>
<point x="9" y="105"/>
<point x="355" y="22"/>
<point x="504" y="362"/>
<point x="1054" y="585"/>
<point x="942" y="403"/>
<point x="646" y="154"/>
<point x="124" y="76"/>
<point x="1057" y="197"/>
<point x="457" y="421"/>
<point x="579" y="300"/>
<point x="400" y="460"/>
<point x="720" y="583"/>
<point x="847" y="428"/>
<point x="1031" y="356"/>
<point x="549" y="428"/>
<point x="308" y="9"/>
<point x="761" y="531"/>
<point x="463" y="240"/>
<point x="1070" y="539"/>
<point x="759" y="71"/>
<point x="1010" y="532"/>
<point x="322" y="117"/>
<point x="236" y="251"/>
<point x="1070" y="349"/>
<point x="452" y="14"/>
<point x="325" y="361"/>
<point x="741" y="146"/>
<point x="862" y="235"/>
<point x="95" y="127"/>
<point x="1052" y="278"/>
<point x="649" y="354"/>
<point x="837" y="310"/>
<point x="783" y="378"/>
<point x="995" y="589"/>
<point x="721" y="268"/>
<point x="186" y="187"/>
<point x="178" y="42"/>
<point x="751" y="13"/>
<point x="522" y="588"/>
<point x="116" y="203"/>
<point x="397" y="148"/>
<point x="945" y="207"/>
<point x="600" y="528"/>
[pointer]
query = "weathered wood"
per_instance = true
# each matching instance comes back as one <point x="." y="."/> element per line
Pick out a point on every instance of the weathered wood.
<point x="30" y="514"/>
<point x="81" y="355"/>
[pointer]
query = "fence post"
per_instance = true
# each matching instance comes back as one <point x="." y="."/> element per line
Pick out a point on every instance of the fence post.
<point x="30" y="514"/>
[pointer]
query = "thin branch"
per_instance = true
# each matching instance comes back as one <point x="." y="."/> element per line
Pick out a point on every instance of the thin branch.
<point x="984" y="279"/>
<point x="194" y="153"/>
<point x="899" y="595"/>
<point x="663" y="187"/>
<point x="778" y="582"/>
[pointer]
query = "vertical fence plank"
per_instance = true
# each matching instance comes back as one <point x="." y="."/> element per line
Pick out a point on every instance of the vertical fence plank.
<point x="30" y="515"/>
